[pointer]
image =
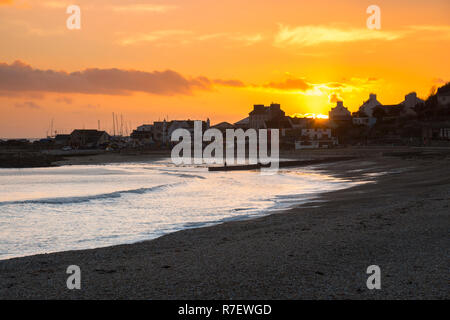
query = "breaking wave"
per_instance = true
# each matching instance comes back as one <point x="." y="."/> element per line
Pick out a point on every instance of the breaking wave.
<point x="80" y="199"/>
<point x="184" y="175"/>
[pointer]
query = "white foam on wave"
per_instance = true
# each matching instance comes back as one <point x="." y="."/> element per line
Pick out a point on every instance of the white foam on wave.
<point x="102" y="196"/>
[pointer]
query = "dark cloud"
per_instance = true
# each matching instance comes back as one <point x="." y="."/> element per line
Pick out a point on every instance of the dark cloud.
<point x="20" y="77"/>
<point x="229" y="83"/>
<point x="290" y="84"/>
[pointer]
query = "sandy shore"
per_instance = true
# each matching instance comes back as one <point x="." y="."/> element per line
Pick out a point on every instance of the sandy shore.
<point x="319" y="250"/>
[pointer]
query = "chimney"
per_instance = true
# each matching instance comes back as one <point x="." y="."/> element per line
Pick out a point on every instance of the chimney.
<point x="412" y="95"/>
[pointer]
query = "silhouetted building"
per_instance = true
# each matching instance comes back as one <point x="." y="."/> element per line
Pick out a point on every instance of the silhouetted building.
<point x="188" y="125"/>
<point x="368" y="106"/>
<point x="145" y="128"/>
<point x="443" y="95"/>
<point x="243" y="124"/>
<point x="160" y="132"/>
<point x="361" y="119"/>
<point x="436" y="131"/>
<point x="62" y="139"/>
<point x="301" y="123"/>
<point x="261" y="115"/>
<point x="88" y="138"/>
<point x="223" y="126"/>
<point x="339" y="113"/>
<point x="314" y="138"/>
<point x="410" y="102"/>
<point x="143" y="134"/>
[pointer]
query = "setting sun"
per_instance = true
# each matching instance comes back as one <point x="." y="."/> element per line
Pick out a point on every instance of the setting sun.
<point x="236" y="156"/>
<point x="149" y="61"/>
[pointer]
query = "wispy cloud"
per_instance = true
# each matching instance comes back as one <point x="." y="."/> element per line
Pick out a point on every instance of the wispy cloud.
<point x="438" y="28"/>
<point x="28" y="28"/>
<point x="184" y="37"/>
<point x="55" y="4"/>
<point x="431" y="32"/>
<point x="130" y="8"/>
<point x="312" y="35"/>
<point x="157" y="8"/>
<point x="155" y="36"/>
<point x="246" y="39"/>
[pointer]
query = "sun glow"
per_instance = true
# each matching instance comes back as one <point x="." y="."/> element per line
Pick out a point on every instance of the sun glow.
<point x="309" y="115"/>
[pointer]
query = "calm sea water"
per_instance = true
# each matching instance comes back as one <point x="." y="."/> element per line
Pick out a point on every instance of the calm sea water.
<point x="46" y="210"/>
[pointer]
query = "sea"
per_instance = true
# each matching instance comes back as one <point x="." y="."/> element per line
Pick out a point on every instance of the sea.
<point x="45" y="210"/>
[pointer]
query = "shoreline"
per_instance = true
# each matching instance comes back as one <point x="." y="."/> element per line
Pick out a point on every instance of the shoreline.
<point x="20" y="159"/>
<point x="266" y="257"/>
<point x="37" y="159"/>
<point x="311" y="198"/>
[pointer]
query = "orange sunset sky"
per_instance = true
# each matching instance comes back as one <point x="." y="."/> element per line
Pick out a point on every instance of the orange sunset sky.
<point x="200" y="59"/>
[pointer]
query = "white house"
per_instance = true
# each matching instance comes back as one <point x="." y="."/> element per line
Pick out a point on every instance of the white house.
<point x="364" y="116"/>
<point x="368" y="106"/>
<point x="315" y="138"/>
<point x="317" y="133"/>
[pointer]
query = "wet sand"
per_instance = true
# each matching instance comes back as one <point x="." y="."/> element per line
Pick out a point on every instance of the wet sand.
<point x="39" y="159"/>
<point x="319" y="250"/>
<point x="114" y="157"/>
